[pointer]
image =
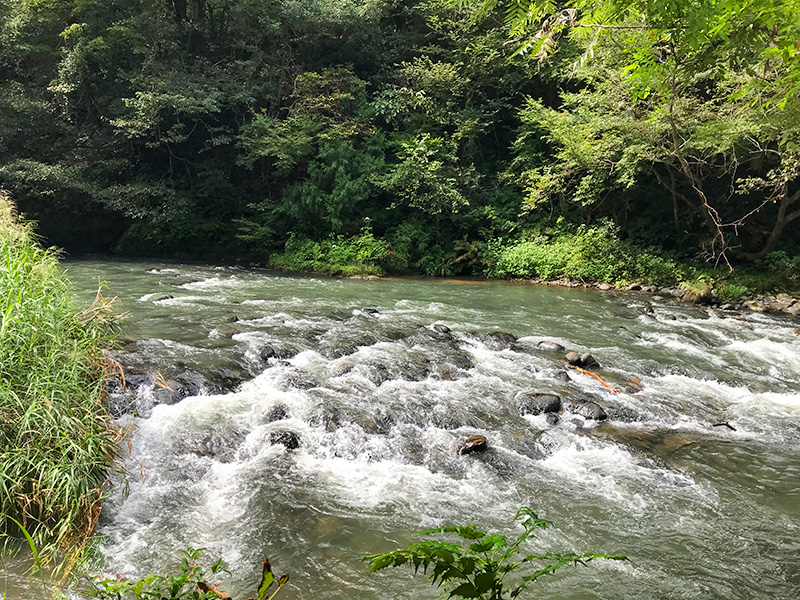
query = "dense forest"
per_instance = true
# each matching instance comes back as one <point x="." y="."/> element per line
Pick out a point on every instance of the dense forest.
<point x="428" y="136"/>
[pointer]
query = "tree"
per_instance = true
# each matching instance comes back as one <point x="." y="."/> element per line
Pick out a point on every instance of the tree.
<point x="707" y="81"/>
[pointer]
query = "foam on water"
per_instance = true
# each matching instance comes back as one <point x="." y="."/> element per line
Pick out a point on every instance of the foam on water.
<point x="380" y="402"/>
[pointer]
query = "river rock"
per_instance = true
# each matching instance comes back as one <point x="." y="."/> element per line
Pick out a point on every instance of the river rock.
<point x="585" y="360"/>
<point x="552" y="419"/>
<point x="589" y="410"/>
<point x="604" y="287"/>
<point x="167" y="297"/>
<point x="289" y="439"/>
<point x="560" y="375"/>
<point x="371" y="311"/>
<point x="499" y="340"/>
<point x="441" y="328"/>
<point x="536" y="403"/>
<point x="703" y="295"/>
<point x="550" y="346"/>
<point x="635" y="287"/>
<point x="277" y="413"/>
<point x="475" y="443"/>
<point x="267" y="352"/>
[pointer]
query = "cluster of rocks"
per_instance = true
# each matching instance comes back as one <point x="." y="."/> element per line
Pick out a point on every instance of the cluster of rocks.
<point x="781" y="303"/>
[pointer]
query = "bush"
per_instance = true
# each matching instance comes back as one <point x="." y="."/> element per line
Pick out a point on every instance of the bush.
<point x="363" y="254"/>
<point x="590" y="254"/>
<point x="478" y="567"/>
<point x="191" y="583"/>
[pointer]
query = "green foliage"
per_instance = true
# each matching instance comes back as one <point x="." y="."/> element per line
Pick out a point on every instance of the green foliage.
<point x="191" y="583"/>
<point x="426" y="177"/>
<point x="56" y="443"/>
<point x="478" y="567"/>
<point x="729" y="292"/>
<point x="363" y="254"/>
<point x="593" y="254"/>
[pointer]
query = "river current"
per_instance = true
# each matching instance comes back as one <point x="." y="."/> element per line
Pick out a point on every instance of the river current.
<point x="378" y="382"/>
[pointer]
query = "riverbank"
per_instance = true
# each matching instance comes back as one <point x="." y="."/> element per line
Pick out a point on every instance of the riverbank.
<point x="56" y="442"/>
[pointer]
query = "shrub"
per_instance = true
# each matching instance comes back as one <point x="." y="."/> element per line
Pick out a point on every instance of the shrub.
<point x="478" y="567"/>
<point x="363" y="254"/>
<point x="191" y="583"/>
<point x="589" y="254"/>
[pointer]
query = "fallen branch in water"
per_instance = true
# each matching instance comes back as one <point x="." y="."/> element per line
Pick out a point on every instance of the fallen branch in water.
<point x="596" y="376"/>
<point x="728" y="425"/>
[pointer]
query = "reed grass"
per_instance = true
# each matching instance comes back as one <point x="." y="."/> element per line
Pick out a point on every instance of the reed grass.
<point x="56" y="443"/>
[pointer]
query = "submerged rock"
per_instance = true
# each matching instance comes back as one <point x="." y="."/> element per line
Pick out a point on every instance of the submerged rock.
<point x="289" y="439"/>
<point x="267" y="352"/>
<point x="499" y="340"/>
<point x="475" y="443"/>
<point x="535" y="403"/>
<point x="550" y="346"/>
<point x="552" y="419"/>
<point x="589" y="410"/>
<point x="438" y="327"/>
<point x="277" y="413"/>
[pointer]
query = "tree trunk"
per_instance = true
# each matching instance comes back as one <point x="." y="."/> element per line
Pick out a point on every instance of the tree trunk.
<point x="781" y="221"/>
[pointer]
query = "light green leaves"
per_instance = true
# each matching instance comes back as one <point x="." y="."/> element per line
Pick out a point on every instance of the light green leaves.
<point x="479" y="570"/>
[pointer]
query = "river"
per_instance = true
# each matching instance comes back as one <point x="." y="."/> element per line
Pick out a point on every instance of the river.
<point x="378" y="396"/>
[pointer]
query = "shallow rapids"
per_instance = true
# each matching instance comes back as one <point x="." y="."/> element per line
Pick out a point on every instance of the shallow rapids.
<point x="229" y="369"/>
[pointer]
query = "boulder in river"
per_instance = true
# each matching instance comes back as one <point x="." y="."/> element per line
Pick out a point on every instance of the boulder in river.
<point x="535" y="403"/>
<point x="438" y="327"/>
<point x="289" y="439"/>
<point x="585" y="360"/>
<point x="499" y="340"/>
<point x="550" y="346"/>
<point x="267" y="352"/>
<point x="589" y="410"/>
<point x="475" y="443"/>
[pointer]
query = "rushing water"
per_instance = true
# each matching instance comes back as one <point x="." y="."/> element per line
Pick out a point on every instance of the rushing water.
<point x="379" y="401"/>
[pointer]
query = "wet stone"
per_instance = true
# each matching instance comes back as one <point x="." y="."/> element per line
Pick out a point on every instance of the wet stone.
<point x="589" y="410"/>
<point x="534" y="403"/>
<point x="499" y="340"/>
<point x="552" y="419"/>
<point x="441" y="328"/>
<point x="475" y="443"/>
<point x="267" y="352"/>
<point x="167" y="297"/>
<point x="573" y="358"/>
<point x="550" y="346"/>
<point x="588" y="361"/>
<point x="277" y="413"/>
<point x="288" y="439"/>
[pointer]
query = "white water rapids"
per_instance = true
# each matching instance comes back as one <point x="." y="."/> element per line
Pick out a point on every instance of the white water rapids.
<point x="379" y="401"/>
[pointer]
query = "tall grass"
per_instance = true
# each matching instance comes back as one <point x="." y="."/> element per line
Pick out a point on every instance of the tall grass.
<point x="56" y="445"/>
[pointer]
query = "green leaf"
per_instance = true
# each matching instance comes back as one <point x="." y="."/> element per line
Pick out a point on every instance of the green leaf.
<point x="465" y="590"/>
<point x="266" y="579"/>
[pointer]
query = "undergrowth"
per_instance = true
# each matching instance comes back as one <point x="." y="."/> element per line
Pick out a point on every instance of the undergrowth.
<point x="56" y="445"/>
<point x="363" y="254"/>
